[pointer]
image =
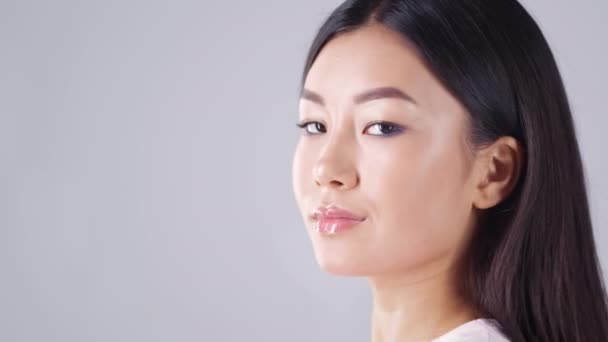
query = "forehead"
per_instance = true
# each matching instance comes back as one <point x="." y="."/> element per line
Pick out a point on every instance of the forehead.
<point x="372" y="56"/>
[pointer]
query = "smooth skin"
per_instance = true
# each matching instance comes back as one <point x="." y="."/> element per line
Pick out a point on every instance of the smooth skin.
<point x="402" y="159"/>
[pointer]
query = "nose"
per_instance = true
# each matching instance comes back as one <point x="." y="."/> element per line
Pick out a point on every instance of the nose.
<point x="335" y="168"/>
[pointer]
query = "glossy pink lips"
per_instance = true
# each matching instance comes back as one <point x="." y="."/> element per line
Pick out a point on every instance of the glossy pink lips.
<point x="333" y="219"/>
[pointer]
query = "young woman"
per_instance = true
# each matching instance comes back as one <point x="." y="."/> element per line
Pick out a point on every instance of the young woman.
<point x="439" y="160"/>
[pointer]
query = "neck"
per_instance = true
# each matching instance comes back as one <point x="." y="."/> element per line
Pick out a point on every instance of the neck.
<point x="417" y="308"/>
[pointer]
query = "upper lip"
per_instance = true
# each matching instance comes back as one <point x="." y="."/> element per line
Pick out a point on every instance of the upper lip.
<point x="336" y="212"/>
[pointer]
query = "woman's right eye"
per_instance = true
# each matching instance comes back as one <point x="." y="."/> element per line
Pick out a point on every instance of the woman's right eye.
<point x="312" y="127"/>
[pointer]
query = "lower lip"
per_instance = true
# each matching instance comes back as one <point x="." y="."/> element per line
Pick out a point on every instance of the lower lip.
<point x="331" y="226"/>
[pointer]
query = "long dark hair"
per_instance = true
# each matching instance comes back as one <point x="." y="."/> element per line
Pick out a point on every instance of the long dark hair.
<point x="533" y="265"/>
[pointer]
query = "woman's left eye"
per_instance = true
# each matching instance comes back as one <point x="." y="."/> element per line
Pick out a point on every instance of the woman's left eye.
<point x="383" y="129"/>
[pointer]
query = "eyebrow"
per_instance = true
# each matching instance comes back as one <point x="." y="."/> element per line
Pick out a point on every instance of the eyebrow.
<point x="366" y="96"/>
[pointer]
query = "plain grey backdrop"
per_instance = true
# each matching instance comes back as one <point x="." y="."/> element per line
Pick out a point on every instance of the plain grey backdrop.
<point x="145" y="168"/>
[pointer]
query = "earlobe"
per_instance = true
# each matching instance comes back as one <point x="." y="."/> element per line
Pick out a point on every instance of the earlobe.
<point x="501" y="165"/>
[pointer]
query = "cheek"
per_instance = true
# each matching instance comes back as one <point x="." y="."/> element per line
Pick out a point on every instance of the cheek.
<point x="419" y="193"/>
<point x="302" y="164"/>
<point x="297" y="172"/>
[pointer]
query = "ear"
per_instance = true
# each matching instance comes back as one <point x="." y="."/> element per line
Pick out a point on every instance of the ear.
<point x="499" y="167"/>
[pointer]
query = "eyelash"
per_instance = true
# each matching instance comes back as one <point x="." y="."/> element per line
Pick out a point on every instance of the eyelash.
<point x="396" y="128"/>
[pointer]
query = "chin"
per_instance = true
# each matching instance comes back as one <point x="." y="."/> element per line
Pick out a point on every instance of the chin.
<point x="342" y="265"/>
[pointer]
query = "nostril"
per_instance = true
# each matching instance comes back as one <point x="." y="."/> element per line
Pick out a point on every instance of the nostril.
<point x="336" y="183"/>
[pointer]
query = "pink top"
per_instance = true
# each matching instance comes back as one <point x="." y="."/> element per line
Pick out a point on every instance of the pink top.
<point x="479" y="330"/>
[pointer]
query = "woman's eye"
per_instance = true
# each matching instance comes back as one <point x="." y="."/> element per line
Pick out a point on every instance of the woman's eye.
<point x="313" y="127"/>
<point x="383" y="129"/>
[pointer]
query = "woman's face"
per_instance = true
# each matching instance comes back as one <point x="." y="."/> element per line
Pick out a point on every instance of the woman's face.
<point x="397" y="159"/>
